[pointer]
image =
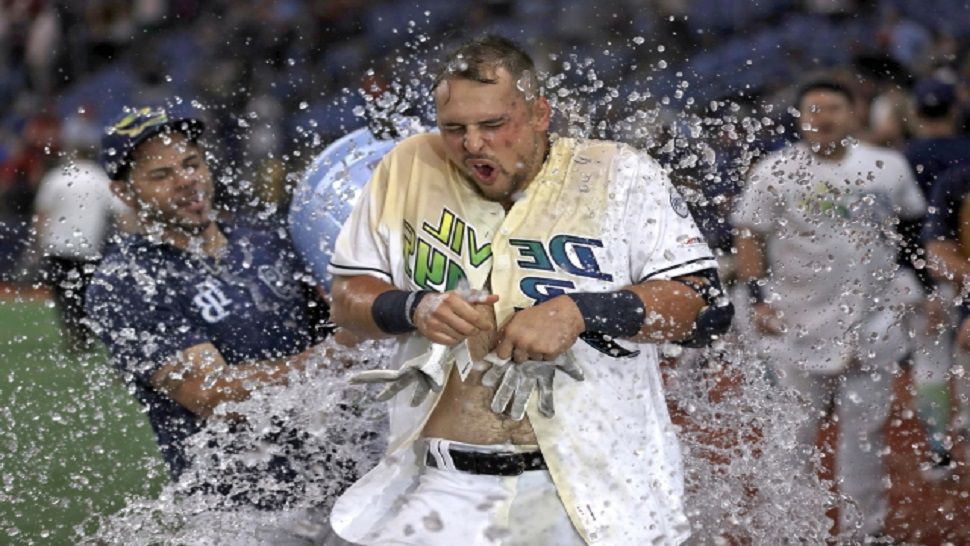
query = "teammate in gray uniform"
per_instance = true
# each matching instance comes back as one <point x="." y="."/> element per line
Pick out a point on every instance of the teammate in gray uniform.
<point x="817" y="246"/>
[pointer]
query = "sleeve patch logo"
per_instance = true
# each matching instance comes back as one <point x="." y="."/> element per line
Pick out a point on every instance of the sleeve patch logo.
<point x="678" y="204"/>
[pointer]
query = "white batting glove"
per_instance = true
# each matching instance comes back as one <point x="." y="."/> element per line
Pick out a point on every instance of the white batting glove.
<point x="515" y="383"/>
<point x="427" y="372"/>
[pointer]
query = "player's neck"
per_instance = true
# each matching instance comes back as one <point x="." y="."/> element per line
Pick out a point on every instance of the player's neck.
<point x="542" y="155"/>
<point x="210" y="241"/>
<point x="831" y="152"/>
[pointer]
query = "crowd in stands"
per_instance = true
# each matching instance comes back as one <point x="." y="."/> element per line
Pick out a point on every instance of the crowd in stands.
<point x="278" y="79"/>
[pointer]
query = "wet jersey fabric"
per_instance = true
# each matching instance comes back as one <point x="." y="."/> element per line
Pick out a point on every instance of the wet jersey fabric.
<point x="150" y="300"/>
<point x="599" y="216"/>
<point x="831" y="250"/>
<point x="327" y="193"/>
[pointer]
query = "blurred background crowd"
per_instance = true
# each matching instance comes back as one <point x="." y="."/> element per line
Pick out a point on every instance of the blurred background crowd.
<point x="278" y="79"/>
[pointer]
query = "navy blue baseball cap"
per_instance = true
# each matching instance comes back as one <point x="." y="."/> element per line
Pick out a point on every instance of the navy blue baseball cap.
<point x="934" y="97"/>
<point x="136" y="126"/>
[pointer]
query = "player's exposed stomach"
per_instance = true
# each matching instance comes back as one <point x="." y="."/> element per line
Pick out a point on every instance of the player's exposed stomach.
<point x="463" y="413"/>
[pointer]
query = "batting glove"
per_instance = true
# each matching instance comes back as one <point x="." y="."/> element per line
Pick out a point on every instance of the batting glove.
<point x="427" y="372"/>
<point x="515" y="383"/>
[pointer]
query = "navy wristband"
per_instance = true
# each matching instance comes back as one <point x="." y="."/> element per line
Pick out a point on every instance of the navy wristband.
<point x="615" y="314"/>
<point x="393" y="311"/>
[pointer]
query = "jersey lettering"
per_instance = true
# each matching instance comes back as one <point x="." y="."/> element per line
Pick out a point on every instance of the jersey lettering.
<point x="429" y="264"/>
<point x="575" y="256"/>
<point x="541" y="289"/>
<point x="570" y="253"/>
<point x="212" y="301"/>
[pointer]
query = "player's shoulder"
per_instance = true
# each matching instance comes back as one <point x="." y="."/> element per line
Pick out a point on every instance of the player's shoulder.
<point x="260" y="236"/>
<point x="871" y="152"/>
<point x="892" y="164"/>
<point x="422" y="145"/>
<point x="130" y="265"/>
<point x="614" y="153"/>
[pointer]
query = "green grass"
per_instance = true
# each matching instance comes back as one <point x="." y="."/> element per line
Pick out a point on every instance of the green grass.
<point x="73" y="442"/>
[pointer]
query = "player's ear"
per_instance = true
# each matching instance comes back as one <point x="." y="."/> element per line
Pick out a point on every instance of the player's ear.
<point x="541" y="114"/>
<point x="122" y="190"/>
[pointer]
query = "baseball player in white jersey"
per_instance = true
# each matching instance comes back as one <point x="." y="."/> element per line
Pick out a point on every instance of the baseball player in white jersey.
<point x="818" y="249"/>
<point x="509" y="264"/>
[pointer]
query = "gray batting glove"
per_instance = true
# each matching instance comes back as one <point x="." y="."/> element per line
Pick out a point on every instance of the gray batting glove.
<point x="427" y="372"/>
<point x="515" y="383"/>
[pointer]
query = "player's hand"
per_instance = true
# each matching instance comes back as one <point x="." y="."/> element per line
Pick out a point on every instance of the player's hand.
<point x="426" y="372"/>
<point x="936" y="318"/>
<point x="451" y="317"/>
<point x="541" y="332"/>
<point x="515" y="383"/>
<point x="963" y="335"/>
<point x="766" y="320"/>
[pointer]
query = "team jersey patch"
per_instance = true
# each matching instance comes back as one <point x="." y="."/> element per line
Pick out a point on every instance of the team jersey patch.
<point x="679" y="205"/>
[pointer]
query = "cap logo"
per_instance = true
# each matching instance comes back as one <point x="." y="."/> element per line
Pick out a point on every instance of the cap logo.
<point x="134" y="123"/>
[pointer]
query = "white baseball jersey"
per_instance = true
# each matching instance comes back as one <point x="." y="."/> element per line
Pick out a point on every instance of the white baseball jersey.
<point x="831" y="249"/>
<point x="598" y="217"/>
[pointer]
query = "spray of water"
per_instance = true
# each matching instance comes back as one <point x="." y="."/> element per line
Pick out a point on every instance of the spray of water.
<point x="737" y="438"/>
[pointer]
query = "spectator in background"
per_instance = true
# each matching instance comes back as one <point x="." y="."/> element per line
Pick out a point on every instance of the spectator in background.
<point x="73" y="214"/>
<point x="816" y="247"/>
<point x="31" y="158"/>
<point x="947" y="238"/>
<point x="936" y="149"/>
<point x="963" y="97"/>
<point x="937" y="146"/>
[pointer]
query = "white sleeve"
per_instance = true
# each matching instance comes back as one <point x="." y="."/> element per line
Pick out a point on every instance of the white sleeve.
<point x="50" y="191"/>
<point x="908" y="198"/>
<point x="362" y="246"/>
<point x="656" y="207"/>
<point x="761" y="203"/>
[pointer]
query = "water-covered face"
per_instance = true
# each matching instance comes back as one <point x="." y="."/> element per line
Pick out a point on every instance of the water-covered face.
<point x="492" y="134"/>
<point x="826" y="118"/>
<point x="170" y="184"/>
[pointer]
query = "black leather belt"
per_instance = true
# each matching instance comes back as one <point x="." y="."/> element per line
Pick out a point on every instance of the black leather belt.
<point x="492" y="464"/>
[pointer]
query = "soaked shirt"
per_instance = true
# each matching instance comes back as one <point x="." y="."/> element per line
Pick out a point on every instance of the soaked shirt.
<point x="150" y="300"/>
<point x="599" y="216"/>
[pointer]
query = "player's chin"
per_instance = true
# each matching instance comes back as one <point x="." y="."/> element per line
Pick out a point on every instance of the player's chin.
<point x="494" y="192"/>
<point x="194" y="223"/>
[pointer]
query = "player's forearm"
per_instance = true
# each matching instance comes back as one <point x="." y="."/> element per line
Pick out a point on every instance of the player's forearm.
<point x="750" y="258"/>
<point x="352" y="302"/>
<point x="237" y="383"/>
<point x="671" y="309"/>
<point x="947" y="263"/>
<point x="200" y="380"/>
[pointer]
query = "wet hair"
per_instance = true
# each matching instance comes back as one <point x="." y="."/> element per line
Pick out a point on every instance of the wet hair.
<point x="479" y="58"/>
<point x="824" y="85"/>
